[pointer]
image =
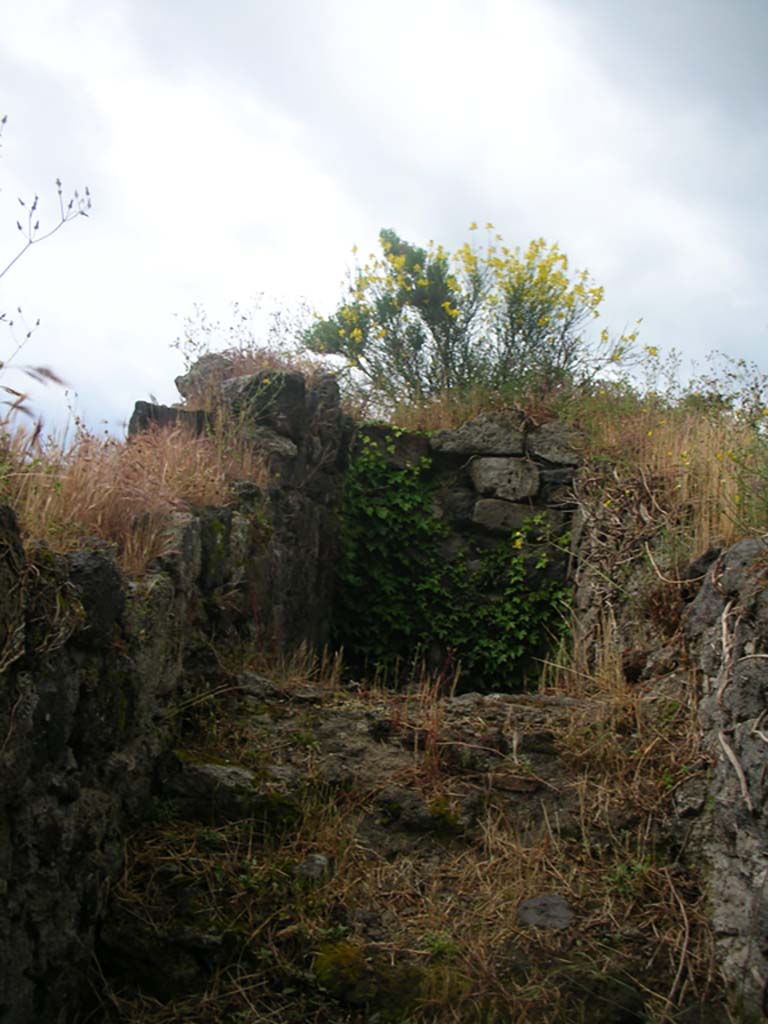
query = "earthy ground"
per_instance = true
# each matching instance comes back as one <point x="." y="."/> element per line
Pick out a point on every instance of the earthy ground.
<point x="327" y="853"/>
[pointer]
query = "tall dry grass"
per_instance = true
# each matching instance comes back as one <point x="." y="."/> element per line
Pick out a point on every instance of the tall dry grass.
<point x="704" y="468"/>
<point x="118" y="491"/>
<point x="698" y="465"/>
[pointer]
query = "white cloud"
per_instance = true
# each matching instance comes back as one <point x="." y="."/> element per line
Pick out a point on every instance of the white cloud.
<point x="246" y="149"/>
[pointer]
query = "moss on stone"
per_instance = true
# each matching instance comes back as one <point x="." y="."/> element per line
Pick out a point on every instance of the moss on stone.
<point x="445" y="817"/>
<point x="356" y="976"/>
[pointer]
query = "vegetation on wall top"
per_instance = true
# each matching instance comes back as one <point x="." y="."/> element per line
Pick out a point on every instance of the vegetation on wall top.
<point x="418" y="322"/>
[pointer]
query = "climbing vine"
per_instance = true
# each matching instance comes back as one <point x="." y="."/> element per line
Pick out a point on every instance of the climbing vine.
<point x="401" y="597"/>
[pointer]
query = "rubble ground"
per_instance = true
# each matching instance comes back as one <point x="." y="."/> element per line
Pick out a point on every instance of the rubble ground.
<point x="327" y="853"/>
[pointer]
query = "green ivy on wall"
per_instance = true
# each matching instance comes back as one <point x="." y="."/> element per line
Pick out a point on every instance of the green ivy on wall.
<point x="398" y="595"/>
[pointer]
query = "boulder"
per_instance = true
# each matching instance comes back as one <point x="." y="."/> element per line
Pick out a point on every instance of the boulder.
<point x="278" y="451"/>
<point x="216" y="794"/>
<point x="212" y="793"/>
<point x="182" y="554"/>
<point x="199" y="384"/>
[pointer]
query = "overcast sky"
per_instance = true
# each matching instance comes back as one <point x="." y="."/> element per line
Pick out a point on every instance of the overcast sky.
<point x="245" y="147"/>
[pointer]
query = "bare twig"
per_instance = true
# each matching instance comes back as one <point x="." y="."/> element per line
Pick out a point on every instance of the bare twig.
<point x="78" y="206"/>
<point x="727" y="639"/>
<point x="667" y="579"/>
<point x="738" y="769"/>
<point x="756" y="730"/>
<point x="686" y="940"/>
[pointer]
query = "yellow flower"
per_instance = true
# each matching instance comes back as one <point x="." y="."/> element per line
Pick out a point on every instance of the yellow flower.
<point x="473" y="226"/>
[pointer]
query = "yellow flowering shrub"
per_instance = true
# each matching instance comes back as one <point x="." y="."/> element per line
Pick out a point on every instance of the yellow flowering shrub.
<point x="416" y="322"/>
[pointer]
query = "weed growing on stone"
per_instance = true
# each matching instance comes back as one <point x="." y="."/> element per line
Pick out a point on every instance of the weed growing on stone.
<point x="252" y="341"/>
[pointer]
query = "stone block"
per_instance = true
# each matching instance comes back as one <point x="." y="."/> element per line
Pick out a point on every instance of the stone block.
<point x="182" y="555"/>
<point x="499" y="516"/>
<point x="484" y="435"/>
<point x="510" y="479"/>
<point x="101" y="588"/>
<point x="554" y="442"/>
<point x="399" y="448"/>
<point x="456" y="506"/>
<point x="270" y="398"/>
<point x="148" y="415"/>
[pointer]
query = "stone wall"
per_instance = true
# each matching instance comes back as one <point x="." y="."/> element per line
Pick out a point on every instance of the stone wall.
<point x="493" y="482"/>
<point x="498" y="473"/>
<point x="726" y="628"/>
<point x="95" y="668"/>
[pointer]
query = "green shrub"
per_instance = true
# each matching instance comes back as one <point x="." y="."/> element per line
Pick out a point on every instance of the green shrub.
<point x="421" y="322"/>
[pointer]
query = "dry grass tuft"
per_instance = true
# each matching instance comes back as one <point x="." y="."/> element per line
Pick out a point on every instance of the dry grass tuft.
<point x="629" y="750"/>
<point x="451" y="409"/>
<point x="690" y="464"/>
<point x="253" y="359"/>
<point x="118" y="491"/>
